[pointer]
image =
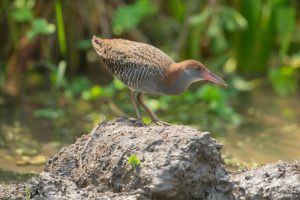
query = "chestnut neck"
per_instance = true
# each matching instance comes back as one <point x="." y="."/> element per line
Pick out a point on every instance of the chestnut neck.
<point x="176" y="80"/>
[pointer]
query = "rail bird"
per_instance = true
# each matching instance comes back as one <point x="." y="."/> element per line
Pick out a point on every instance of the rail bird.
<point x="146" y="69"/>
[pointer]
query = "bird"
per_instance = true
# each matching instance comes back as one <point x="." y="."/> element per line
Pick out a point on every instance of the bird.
<point x="145" y="69"/>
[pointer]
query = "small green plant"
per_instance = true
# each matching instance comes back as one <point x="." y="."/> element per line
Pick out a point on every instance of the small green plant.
<point x="134" y="161"/>
<point x="27" y="193"/>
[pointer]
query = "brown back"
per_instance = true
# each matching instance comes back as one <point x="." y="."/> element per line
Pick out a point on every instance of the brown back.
<point x="130" y="61"/>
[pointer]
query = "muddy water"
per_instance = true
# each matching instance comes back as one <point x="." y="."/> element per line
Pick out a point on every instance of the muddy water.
<point x="270" y="131"/>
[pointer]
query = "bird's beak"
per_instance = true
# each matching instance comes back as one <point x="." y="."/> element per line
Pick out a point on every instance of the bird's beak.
<point x="214" y="78"/>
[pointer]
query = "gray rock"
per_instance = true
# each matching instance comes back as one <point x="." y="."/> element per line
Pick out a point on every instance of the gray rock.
<point x="274" y="181"/>
<point x="177" y="162"/>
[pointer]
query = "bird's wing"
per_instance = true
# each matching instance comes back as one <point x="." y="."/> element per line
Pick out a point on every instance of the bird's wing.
<point x="120" y="52"/>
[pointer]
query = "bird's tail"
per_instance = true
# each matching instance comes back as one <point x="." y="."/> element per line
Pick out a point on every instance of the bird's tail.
<point x="99" y="46"/>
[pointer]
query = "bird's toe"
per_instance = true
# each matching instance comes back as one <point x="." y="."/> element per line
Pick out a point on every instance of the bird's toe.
<point x="137" y="122"/>
<point x="161" y="123"/>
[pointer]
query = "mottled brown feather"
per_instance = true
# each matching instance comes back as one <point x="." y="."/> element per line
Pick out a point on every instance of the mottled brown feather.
<point x="120" y="50"/>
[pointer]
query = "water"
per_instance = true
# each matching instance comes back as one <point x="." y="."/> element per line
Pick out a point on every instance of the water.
<point x="270" y="132"/>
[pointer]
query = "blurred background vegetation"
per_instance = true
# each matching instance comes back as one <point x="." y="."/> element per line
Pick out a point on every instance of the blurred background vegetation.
<point x="53" y="86"/>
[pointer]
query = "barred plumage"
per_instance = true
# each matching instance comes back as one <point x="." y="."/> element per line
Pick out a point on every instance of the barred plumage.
<point x="133" y="63"/>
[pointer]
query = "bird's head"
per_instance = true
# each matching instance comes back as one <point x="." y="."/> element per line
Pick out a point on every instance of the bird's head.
<point x="198" y="72"/>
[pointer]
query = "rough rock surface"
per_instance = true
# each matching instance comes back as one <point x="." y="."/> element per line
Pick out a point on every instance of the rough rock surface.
<point x="177" y="162"/>
<point x="51" y="187"/>
<point x="274" y="181"/>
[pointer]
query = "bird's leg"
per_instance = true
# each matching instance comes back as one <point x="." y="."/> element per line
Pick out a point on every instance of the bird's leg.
<point x="137" y="112"/>
<point x="152" y="115"/>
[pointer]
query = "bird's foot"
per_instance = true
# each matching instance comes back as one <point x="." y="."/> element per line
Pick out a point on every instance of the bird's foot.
<point x="138" y="122"/>
<point x="160" y="123"/>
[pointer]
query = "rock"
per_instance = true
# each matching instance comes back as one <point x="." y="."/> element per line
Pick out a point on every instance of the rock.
<point x="278" y="181"/>
<point x="47" y="186"/>
<point x="12" y="192"/>
<point x="176" y="162"/>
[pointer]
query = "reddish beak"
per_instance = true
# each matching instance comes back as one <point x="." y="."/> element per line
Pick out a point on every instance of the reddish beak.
<point x="215" y="79"/>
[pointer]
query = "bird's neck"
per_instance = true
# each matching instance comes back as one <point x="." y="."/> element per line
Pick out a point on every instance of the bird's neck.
<point x="176" y="80"/>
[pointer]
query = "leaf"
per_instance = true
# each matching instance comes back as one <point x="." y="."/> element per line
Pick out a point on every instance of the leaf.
<point x="24" y="3"/>
<point x="118" y="84"/>
<point x="201" y="18"/>
<point x="93" y="93"/>
<point x="211" y="94"/>
<point x="134" y="161"/>
<point x="286" y="20"/>
<point x="78" y="85"/>
<point x="129" y="16"/>
<point x="286" y="25"/>
<point x="48" y="113"/>
<point x="216" y="34"/>
<point x="60" y="77"/>
<point x="234" y="19"/>
<point x="23" y="14"/>
<point x="216" y="99"/>
<point x="40" y="26"/>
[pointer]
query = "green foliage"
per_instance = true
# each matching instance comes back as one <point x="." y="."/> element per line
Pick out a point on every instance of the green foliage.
<point x="60" y="27"/>
<point x="60" y="75"/>
<point x="213" y="95"/>
<point x="233" y="20"/>
<point x="266" y="20"/>
<point x="286" y="27"/>
<point x="8" y="177"/>
<point x="40" y="26"/>
<point x="118" y="84"/>
<point x="134" y="161"/>
<point x="57" y="74"/>
<point x="49" y="113"/>
<point x="216" y="21"/>
<point x="92" y="93"/>
<point x="216" y="99"/>
<point x="23" y="10"/>
<point x="97" y="91"/>
<point x="283" y="80"/>
<point x="243" y="36"/>
<point x="22" y="14"/>
<point x="129" y="16"/>
<point x="78" y="86"/>
<point x="205" y="107"/>
<point x="251" y="43"/>
<point x="201" y="18"/>
<point x="27" y="193"/>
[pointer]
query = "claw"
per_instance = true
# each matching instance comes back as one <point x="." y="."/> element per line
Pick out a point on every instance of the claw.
<point x="160" y="123"/>
<point x="140" y="122"/>
<point x="137" y="122"/>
